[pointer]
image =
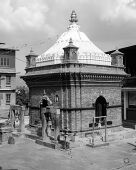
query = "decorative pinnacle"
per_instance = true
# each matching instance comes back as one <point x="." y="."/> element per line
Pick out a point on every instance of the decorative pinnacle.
<point x="73" y="17"/>
<point x="31" y="50"/>
<point x="70" y="41"/>
<point x="44" y="93"/>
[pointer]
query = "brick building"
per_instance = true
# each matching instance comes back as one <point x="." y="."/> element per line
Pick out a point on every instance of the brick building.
<point x="79" y="78"/>
<point x="129" y="87"/>
<point x="7" y="79"/>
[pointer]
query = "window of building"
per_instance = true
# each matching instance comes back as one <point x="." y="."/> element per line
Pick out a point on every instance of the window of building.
<point x="4" y="61"/>
<point x="8" y="80"/>
<point x="7" y="61"/>
<point x="56" y="98"/>
<point x="8" y="97"/>
<point x="1" y="62"/>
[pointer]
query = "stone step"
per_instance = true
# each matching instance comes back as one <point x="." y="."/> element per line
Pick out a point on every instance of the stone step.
<point x="44" y="143"/>
<point x="121" y="135"/>
<point x="113" y="135"/>
<point x="32" y="136"/>
<point x="129" y="124"/>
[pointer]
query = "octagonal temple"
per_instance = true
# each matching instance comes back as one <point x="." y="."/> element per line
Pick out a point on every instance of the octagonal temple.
<point x="79" y="78"/>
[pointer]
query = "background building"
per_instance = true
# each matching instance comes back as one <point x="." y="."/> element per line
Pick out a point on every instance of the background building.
<point x="129" y="87"/>
<point x="129" y="54"/>
<point x="7" y="79"/>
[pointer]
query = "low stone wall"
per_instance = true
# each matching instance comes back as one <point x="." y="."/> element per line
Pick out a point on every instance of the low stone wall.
<point x="5" y="132"/>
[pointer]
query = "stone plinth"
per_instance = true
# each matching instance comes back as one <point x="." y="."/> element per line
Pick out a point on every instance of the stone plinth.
<point x="98" y="144"/>
<point x="5" y="132"/>
<point x="97" y="141"/>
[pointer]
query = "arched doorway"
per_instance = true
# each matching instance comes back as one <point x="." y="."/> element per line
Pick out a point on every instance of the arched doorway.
<point x="100" y="106"/>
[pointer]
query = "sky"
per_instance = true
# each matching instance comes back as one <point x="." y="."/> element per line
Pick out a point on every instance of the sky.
<point x="36" y="24"/>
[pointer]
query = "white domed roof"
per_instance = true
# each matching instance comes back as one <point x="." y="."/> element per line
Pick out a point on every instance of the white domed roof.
<point x="87" y="52"/>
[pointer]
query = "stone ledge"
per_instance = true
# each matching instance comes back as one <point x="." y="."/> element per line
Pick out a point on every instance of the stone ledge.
<point x="44" y="143"/>
<point x="16" y="134"/>
<point x="133" y="143"/>
<point x="31" y="136"/>
<point x="98" y="145"/>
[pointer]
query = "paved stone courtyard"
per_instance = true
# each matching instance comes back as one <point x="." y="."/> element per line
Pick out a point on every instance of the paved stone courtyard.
<point x="27" y="155"/>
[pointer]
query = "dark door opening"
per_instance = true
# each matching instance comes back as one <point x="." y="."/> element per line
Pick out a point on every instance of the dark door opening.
<point x="100" y="107"/>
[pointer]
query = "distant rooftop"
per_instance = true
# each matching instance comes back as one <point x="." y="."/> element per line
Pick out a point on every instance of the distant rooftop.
<point x="123" y="49"/>
<point x="3" y="46"/>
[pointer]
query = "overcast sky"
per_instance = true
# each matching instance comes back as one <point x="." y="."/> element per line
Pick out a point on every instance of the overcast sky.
<point x="37" y="23"/>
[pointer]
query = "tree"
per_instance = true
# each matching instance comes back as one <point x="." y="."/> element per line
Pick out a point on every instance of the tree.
<point x="22" y="96"/>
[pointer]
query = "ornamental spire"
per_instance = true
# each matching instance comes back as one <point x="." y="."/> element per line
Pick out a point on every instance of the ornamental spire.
<point x="73" y="17"/>
<point x="31" y="50"/>
<point x="70" y="41"/>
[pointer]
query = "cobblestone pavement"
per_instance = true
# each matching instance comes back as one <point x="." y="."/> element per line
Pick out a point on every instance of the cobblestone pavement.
<point x="27" y="155"/>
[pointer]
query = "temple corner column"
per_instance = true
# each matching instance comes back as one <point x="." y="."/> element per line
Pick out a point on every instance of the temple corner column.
<point x="125" y="103"/>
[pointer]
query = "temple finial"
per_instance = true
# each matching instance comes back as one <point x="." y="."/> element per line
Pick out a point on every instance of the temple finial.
<point x="70" y="41"/>
<point x="116" y="48"/>
<point x="44" y="92"/>
<point x="73" y="17"/>
<point x="31" y="50"/>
